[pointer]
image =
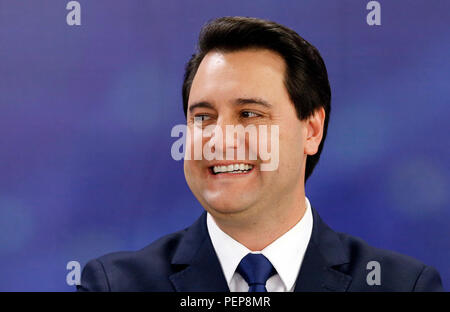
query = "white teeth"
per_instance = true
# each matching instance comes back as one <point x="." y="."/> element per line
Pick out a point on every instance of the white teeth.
<point x="239" y="168"/>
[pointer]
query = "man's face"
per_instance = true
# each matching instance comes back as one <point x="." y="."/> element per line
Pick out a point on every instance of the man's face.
<point x="247" y="88"/>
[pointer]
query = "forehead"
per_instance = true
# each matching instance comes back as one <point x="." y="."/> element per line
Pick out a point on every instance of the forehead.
<point x="245" y="73"/>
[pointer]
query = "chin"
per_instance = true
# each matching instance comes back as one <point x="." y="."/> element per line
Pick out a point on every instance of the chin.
<point x="225" y="205"/>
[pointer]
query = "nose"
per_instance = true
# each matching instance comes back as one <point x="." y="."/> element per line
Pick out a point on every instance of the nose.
<point x="225" y="139"/>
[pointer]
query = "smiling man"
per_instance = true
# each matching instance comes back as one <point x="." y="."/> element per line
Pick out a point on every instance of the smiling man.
<point x="244" y="203"/>
<point x="259" y="231"/>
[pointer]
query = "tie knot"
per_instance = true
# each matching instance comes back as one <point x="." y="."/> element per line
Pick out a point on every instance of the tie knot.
<point x="256" y="270"/>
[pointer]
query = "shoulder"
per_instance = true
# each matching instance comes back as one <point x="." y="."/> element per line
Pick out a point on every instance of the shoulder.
<point x="145" y="269"/>
<point x="385" y="270"/>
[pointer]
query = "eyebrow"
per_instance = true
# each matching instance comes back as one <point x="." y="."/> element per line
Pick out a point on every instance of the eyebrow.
<point x="243" y="101"/>
<point x="200" y="104"/>
<point x="239" y="101"/>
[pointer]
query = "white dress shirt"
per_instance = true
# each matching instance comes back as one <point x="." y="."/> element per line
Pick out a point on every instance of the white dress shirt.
<point x="285" y="253"/>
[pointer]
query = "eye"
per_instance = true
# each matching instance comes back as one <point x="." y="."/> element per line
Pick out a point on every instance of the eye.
<point x="248" y="114"/>
<point x="201" y="118"/>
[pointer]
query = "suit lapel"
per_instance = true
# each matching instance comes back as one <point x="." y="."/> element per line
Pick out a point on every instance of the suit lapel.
<point x="317" y="275"/>
<point x="323" y="258"/>
<point x="200" y="267"/>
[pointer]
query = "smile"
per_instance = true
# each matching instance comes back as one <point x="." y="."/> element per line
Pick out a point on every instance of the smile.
<point x="232" y="168"/>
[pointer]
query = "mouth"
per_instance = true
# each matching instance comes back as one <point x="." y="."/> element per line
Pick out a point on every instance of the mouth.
<point x="234" y="169"/>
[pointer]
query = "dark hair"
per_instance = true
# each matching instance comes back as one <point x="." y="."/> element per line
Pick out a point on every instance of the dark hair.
<point x="306" y="78"/>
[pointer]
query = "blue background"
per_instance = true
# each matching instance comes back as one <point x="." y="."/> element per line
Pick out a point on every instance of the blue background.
<point x="86" y="113"/>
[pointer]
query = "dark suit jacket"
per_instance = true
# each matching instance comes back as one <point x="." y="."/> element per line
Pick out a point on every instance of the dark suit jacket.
<point x="186" y="261"/>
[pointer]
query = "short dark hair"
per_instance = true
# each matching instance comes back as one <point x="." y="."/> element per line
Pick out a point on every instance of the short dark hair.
<point x="306" y="77"/>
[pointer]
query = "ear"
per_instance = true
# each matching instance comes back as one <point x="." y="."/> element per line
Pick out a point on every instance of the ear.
<point x="314" y="131"/>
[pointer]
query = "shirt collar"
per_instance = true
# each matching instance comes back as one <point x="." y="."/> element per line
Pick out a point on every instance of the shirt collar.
<point x="285" y="253"/>
<point x="229" y="251"/>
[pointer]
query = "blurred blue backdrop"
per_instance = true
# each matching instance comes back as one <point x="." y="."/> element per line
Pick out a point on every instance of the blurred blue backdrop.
<point x="86" y="113"/>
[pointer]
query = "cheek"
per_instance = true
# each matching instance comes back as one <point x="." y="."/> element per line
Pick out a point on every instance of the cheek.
<point x="187" y="170"/>
<point x="195" y="141"/>
<point x="193" y="176"/>
<point x="191" y="169"/>
<point x="291" y="147"/>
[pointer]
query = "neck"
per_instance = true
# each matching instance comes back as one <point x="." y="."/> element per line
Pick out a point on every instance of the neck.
<point x="259" y="227"/>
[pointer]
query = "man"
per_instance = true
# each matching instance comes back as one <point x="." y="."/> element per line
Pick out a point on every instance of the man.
<point x="259" y="231"/>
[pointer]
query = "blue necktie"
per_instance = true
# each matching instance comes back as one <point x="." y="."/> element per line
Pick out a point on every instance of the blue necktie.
<point x="256" y="270"/>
